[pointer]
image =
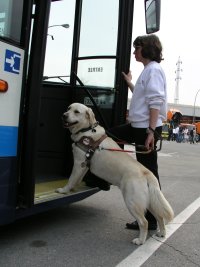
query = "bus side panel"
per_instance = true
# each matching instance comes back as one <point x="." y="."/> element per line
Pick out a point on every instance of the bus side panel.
<point x="8" y="185"/>
<point x="11" y="69"/>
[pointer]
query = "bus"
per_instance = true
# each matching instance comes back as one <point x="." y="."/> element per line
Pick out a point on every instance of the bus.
<point x="46" y="47"/>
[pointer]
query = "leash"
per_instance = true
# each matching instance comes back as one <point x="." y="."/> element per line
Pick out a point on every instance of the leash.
<point x="127" y="151"/>
<point x="142" y="147"/>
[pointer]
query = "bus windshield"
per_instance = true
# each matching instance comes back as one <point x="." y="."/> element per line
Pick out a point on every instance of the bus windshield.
<point x="11" y="19"/>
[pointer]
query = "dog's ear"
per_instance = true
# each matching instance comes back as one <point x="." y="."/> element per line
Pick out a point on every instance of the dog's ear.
<point x="90" y="116"/>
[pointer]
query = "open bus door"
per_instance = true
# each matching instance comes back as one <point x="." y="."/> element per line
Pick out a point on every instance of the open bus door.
<point x="98" y="55"/>
<point x="89" y="38"/>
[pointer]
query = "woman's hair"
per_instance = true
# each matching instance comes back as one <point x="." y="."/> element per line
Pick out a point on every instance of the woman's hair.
<point x="151" y="47"/>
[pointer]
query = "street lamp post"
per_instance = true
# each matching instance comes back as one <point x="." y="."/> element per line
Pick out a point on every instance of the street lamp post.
<point x="66" y="26"/>
<point x="195" y="105"/>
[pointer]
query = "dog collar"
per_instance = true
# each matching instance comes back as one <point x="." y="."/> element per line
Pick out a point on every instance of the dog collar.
<point x="89" y="128"/>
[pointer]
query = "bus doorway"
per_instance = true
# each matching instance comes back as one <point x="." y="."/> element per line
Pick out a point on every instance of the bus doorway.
<point x="71" y="44"/>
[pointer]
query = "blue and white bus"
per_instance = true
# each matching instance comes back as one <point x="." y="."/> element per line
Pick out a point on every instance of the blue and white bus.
<point x="43" y="44"/>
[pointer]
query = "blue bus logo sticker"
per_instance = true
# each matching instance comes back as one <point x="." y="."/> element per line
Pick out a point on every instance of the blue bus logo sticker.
<point x="12" y="61"/>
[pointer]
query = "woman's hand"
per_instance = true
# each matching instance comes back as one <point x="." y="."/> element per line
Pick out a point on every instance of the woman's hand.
<point x="149" y="143"/>
<point x="128" y="79"/>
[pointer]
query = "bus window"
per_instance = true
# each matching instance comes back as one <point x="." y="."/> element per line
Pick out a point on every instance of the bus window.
<point x="59" y="41"/>
<point x="11" y="19"/>
<point x="98" y="41"/>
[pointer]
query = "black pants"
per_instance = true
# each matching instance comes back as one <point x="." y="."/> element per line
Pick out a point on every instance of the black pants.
<point x="138" y="136"/>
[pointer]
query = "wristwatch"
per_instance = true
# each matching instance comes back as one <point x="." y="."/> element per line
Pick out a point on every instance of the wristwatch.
<point x="150" y="130"/>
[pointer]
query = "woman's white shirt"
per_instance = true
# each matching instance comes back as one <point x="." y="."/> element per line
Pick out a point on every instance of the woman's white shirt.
<point x="149" y="92"/>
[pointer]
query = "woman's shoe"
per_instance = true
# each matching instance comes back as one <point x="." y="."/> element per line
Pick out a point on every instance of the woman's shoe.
<point x="134" y="226"/>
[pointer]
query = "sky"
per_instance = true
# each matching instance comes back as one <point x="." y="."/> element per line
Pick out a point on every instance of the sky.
<point x="180" y="37"/>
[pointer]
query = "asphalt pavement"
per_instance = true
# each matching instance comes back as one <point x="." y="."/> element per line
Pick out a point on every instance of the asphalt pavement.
<point x="91" y="233"/>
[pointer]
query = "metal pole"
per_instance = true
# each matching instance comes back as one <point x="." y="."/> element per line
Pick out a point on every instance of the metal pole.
<point x="178" y="78"/>
<point x="195" y="105"/>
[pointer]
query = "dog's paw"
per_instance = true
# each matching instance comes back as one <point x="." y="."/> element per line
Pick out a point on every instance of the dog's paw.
<point x="161" y="233"/>
<point x="138" y="241"/>
<point x="62" y="190"/>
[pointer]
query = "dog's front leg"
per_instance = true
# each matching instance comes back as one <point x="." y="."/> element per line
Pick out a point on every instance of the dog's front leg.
<point x="74" y="179"/>
<point x="78" y="172"/>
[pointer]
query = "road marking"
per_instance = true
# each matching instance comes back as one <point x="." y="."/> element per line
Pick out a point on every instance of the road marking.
<point x="167" y="154"/>
<point x="142" y="253"/>
<point x="160" y="154"/>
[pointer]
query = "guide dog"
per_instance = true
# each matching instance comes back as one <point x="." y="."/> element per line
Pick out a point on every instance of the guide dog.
<point x="139" y="187"/>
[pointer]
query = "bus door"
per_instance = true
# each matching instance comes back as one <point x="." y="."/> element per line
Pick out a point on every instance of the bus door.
<point x="91" y="39"/>
<point x="12" y="61"/>
<point x="103" y="52"/>
<point x="46" y="148"/>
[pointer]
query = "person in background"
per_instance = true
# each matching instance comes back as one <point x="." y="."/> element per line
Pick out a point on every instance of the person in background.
<point x="148" y="108"/>
<point x="185" y="134"/>
<point x="192" y="135"/>
<point x="180" y="135"/>
<point x="170" y="134"/>
<point x="174" y="134"/>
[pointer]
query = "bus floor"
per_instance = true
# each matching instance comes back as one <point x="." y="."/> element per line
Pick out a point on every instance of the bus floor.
<point x="45" y="191"/>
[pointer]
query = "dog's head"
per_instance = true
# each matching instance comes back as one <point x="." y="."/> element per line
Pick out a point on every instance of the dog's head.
<point x="77" y="117"/>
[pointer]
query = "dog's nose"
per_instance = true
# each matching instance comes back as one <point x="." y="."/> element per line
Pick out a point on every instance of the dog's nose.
<point x="64" y="116"/>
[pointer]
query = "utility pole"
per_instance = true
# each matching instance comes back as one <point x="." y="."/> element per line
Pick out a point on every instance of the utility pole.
<point x="177" y="79"/>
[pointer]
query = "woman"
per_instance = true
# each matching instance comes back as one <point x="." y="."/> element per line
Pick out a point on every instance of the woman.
<point x="148" y="108"/>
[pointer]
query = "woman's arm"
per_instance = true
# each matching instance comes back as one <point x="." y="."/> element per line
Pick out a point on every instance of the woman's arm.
<point x="149" y="143"/>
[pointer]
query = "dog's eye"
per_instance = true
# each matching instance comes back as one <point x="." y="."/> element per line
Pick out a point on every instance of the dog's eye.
<point x="68" y="108"/>
<point x="76" y="111"/>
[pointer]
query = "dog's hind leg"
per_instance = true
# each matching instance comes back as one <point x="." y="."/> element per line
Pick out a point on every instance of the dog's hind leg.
<point x="143" y="225"/>
<point x="161" y="225"/>
<point x="137" y="211"/>
<point x="161" y="232"/>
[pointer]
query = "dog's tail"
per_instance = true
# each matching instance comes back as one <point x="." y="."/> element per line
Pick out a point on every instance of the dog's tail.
<point x="158" y="203"/>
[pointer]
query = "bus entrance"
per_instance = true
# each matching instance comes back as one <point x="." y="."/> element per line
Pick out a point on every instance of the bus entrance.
<point x="54" y="43"/>
<point x="71" y="45"/>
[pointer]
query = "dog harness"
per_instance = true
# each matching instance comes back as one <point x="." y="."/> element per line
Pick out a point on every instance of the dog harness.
<point x="88" y="145"/>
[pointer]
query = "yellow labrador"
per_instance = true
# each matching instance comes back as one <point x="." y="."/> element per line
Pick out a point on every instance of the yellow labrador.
<point x="138" y="185"/>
